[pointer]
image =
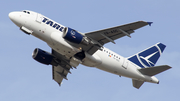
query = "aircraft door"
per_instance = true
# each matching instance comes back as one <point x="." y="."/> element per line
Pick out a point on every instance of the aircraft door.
<point x="39" y="18"/>
<point x="125" y="64"/>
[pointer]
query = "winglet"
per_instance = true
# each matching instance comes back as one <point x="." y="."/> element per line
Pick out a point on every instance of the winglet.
<point x="149" y="23"/>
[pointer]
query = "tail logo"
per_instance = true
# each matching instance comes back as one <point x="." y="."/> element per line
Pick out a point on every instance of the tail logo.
<point x="145" y="61"/>
<point x="148" y="57"/>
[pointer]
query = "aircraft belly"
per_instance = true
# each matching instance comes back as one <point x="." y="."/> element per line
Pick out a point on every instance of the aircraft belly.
<point x="91" y="60"/>
<point x="119" y="70"/>
<point x="115" y="67"/>
<point x="61" y="46"/>
<point x="110" y="66"/>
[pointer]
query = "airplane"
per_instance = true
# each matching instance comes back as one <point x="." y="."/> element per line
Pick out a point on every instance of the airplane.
<point x="71" y="48"/>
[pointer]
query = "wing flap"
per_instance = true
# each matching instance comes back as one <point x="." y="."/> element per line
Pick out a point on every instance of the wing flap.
<point x="115" y="36"/>
<point x="60" y="71"/>
<point x="58" y="78"/>
<point x="115" y="32"/>
<point x="154" y="70"/>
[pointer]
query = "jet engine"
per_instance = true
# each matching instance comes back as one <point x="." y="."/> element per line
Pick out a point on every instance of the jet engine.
<point x="75" y="37"/>
<point x="42" y="56"/>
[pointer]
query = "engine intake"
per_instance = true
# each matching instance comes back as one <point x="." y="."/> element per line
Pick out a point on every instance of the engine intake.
<point x="42" y="56"/>
<point x="74" y="36"/>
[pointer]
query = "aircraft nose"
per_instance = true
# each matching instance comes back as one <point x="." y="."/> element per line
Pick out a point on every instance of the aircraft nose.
<point x="11" y="15"/>
<point x="16" y="18"/>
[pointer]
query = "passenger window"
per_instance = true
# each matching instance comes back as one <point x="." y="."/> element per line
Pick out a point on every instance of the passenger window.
<point x="28" y="12"/>
<point x="24" y="11"/>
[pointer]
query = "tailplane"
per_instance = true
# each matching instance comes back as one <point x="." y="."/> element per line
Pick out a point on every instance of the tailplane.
<point x="150" y="72"/>
<point x="148" y="57"/>
<point x="154" y="70"/>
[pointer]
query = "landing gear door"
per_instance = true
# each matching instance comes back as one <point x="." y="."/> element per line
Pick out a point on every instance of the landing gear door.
<point x="125" y="64"/>
<point x="39" y="18"/>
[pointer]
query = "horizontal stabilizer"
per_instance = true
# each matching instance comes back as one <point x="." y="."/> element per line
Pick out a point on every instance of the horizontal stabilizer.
<point x="137" y="84"/>
<point x="154" y="70"/>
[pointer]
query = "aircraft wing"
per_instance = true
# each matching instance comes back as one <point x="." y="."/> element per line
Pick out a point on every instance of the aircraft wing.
<point x="111" y="34"/>
<point x="56" y="70"/>
<point x="60" y="71"/>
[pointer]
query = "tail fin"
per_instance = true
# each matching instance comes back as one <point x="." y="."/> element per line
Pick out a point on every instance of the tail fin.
<point x="148" y="57"/>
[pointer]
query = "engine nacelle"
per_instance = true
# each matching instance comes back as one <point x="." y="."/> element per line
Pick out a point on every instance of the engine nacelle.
<point x="42" y="56"/>
<point x="74" y="36"/>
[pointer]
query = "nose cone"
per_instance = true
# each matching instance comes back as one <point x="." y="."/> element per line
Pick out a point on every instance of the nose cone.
<point x="11" y="16"/>
<point x="15" y="18"/>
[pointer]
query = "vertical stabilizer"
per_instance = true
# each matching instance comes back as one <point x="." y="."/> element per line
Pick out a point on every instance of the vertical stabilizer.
<point x="149" y="56"/>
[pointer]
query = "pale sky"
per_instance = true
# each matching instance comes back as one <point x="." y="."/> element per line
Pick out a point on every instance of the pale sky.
<point x="24" y="79"/>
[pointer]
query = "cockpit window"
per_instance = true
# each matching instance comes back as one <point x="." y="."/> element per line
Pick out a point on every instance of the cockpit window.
<point x="26" y="12"/>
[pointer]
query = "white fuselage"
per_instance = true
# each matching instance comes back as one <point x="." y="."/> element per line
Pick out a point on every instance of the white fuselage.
<point x="52" y="32"/>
